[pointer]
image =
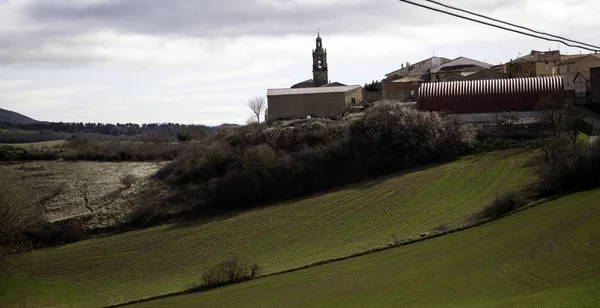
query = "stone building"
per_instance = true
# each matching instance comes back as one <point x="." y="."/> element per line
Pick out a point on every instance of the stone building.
<point x="319" y="67"/>
<point x="321" y="102"/>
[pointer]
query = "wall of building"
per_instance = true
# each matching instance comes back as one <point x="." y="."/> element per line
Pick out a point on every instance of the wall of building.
<point x="567" y="71"/>
<point x="545" y="68"/>
<point x="517" y="70"/>
<point x="296" y="106"/>
<point x="353" y="97"/>
<point x="401" y="91"/>
<point x="595" y="84"/>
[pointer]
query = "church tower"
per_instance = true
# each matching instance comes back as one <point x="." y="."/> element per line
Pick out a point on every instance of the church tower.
<point x="320" y="73"/>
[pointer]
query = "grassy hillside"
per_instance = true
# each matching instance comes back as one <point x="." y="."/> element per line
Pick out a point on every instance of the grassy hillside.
<point x="15" y="118"/>
<point x="169" y="258"/>
<point x="548" y="256"/>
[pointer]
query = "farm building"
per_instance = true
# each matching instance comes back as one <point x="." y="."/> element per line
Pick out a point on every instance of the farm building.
<point x="489" y="96"/>
<point x="595" y="84"/>
<point x="323" y="102"/>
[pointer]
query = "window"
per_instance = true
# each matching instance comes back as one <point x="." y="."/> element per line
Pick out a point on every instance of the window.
<point x="568" y="69"/>
<point x="412" y="92"/>
<point x="546" y="62"/>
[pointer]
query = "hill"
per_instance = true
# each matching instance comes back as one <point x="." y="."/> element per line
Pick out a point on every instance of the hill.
<point x="12" y="117"/>
<point x="548" y="256"/>
<point x="355" y="218"/>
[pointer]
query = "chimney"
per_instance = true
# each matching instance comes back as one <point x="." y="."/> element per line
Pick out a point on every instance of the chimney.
<point x="402" y="66"/>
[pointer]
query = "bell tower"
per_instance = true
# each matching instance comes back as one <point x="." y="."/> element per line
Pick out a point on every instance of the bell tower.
<point x="320" y="72"/>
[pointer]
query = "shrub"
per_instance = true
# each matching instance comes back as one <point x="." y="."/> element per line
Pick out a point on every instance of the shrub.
<point x="229" y="271"/>
<point x="504" y="205"/>
<point x="442" y="228"/>
<point x="128" y="180"/>
<point x="241" y="167"/>
<point x="566" y="165"/>
<point x="17" y="216"/>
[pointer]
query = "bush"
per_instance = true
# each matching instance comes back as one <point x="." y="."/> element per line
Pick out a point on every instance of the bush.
<point x="128" y="180"/>
<point x="17" y="216"/>
<point x="504" y="205"/>
<point x="442" y="228"/>
<point x="241" y="167"/>
<point x="566" y="166"/>
<point x="229" y="271"/>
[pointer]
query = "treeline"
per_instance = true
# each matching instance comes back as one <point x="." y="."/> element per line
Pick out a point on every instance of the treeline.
<point x="255" y="164"/>
<point x="127" y="129"/>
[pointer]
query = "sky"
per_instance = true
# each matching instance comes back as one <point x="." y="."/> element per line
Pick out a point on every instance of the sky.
<point x="200" y="61"/>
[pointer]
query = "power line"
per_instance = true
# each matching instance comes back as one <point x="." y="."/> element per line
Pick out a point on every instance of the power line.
<point x="508" y="23"/>
<point x="500" y="27"/>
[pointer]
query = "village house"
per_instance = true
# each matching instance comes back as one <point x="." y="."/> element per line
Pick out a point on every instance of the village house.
<point x="535" y="64"/>
<point x="486" y="74"/>
<point x="457" y="69"/>
<point x="572" y="66"/>
<point x="403" y="84"/>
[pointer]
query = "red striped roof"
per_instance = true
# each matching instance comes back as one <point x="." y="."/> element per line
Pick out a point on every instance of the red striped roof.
<point x="496" y="95"/>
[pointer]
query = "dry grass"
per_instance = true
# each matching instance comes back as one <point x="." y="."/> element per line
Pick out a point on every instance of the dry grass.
<point x="76" y="189"/>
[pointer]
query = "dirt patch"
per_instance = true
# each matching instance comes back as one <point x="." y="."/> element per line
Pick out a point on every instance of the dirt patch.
<point x="84" y="189"/>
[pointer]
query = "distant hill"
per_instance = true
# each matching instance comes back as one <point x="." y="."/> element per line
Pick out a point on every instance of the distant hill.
<point x="15" y="118"/>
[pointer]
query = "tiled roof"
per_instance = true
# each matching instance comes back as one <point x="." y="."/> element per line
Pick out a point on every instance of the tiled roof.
<point x="577" y="58"/>
<point x="276" y="92"/>
<point x="419" y="68"/>
<point x="410" y="79"/>
<point x="539" y="56"/>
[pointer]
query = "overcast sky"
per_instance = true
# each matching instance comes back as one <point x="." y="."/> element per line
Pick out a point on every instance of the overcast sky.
<point x="199" y="61"/>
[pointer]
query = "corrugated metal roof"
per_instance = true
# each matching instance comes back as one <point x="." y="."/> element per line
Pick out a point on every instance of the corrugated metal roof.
<point x="496" y="95"/>
<point x="276" y="92"/>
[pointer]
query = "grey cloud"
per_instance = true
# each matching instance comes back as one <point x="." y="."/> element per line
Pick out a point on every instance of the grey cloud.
<point x="233" y="17"/>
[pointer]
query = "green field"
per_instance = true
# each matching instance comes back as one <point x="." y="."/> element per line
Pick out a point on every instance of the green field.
<point x="548" y="256"/>
<point x="169" y="258"/>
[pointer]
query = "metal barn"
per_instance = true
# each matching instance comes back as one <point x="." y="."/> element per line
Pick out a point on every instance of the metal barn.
<point x="487" y="96"/>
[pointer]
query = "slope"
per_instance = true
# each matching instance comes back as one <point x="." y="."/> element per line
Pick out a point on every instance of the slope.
<point x="548" y="256"/>
<point x="352" y="219"/>
<point x="15" y="118"/>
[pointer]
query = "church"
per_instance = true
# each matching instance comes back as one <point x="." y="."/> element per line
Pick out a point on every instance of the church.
<point x="313" y="98"/>
<point x="319" y="69"/>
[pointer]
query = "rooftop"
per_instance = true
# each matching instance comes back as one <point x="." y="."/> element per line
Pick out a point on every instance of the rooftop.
<point x="577" y="58"/>
<point x="285" y="91"/>
<point x="419" y="68"/>
<point x="410" y="79"/>
<point x="539" y="56"/>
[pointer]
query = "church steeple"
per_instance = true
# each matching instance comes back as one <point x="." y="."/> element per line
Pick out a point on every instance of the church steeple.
<point x="320" y="72"/>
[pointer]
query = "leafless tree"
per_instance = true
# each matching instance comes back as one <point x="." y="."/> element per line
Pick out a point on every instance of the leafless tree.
<point x="257" y="105"/>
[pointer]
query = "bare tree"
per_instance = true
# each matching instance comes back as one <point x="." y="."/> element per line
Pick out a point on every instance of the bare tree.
<point x="257" y="105"/>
